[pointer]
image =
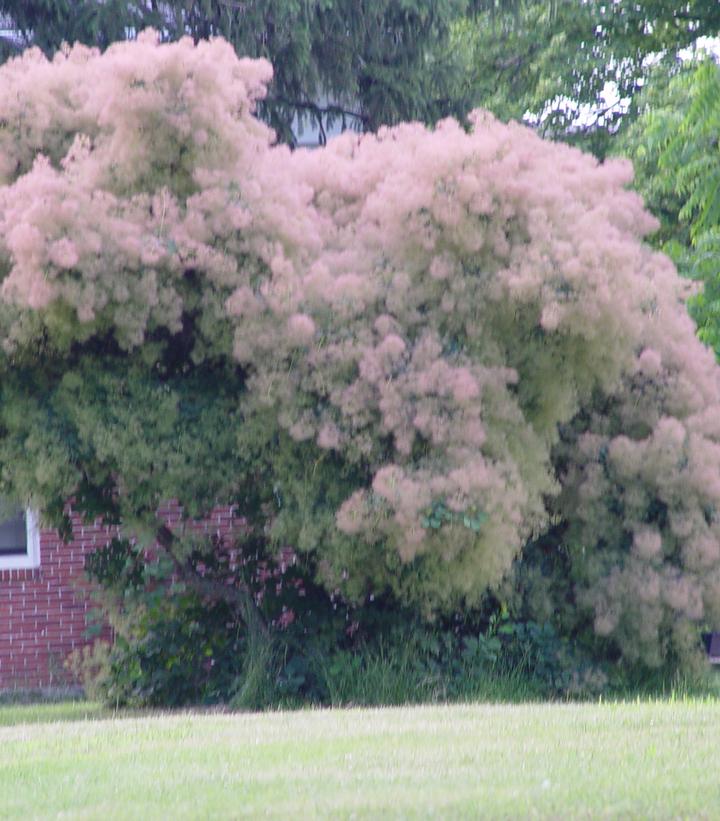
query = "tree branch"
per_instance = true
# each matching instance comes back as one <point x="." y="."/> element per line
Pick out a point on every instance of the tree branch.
<point x="334" y="109"/>
<point x="240" y="597"/>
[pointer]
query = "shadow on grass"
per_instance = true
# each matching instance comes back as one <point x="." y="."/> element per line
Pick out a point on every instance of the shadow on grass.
<point x="376" y="689"/>
<point x="39" y="712"/>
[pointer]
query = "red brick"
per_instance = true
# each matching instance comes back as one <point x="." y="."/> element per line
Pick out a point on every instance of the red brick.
<point x="42" y="611"/>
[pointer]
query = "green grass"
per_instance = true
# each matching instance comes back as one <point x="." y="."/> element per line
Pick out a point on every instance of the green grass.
<point x="46" y="713"/>
<point x="624" y="760"/>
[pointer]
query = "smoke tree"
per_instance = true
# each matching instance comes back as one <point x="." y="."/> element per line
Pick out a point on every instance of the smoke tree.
<point x="406" y="355"/>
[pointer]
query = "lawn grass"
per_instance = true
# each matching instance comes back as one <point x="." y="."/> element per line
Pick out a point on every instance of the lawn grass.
<point x="46" y="713"/>
<point x="625" y="760"/>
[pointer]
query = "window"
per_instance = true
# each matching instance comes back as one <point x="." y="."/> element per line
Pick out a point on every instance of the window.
<point x="19" y="540"/>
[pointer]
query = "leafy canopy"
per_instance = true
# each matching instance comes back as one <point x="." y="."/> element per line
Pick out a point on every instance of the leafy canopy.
<point x="575" y="67"/>
<point x="674" y="145"/>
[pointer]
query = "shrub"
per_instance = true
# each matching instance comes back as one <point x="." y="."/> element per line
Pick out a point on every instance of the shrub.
<point x="406" y="355"/>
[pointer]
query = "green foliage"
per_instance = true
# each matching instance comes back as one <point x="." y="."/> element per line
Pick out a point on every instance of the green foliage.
<point x="172" y="646"/>
<point x="397" y="660"/>
<point x="691" y="154"/>
<point x="182" y="637"/>
<point x="662" y="106"/>
<point x="175" y="646"/>
<point x="553" y="60"/>
<point x="674" y="146"/>
<point x="439" y="514"/>
<point x="690" y="159"/>
<point x="48" y="23"/>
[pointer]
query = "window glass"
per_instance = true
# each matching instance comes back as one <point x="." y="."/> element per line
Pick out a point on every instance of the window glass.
<point x="13" y="534"/>
<point x="19" y="537"/>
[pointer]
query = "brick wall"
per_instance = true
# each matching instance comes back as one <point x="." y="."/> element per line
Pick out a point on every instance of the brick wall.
<point x="43" y="611"/>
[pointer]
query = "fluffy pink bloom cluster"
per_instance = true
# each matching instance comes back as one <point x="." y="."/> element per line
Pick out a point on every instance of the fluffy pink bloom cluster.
<point x="117" y="171"/>
<point x="432" y="308"/>
<point x="641" y="492"/>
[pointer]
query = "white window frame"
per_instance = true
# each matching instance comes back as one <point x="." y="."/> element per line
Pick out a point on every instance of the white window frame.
<point x="30" y="559"/>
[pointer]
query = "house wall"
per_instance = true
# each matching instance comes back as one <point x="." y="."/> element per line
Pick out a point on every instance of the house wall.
<point x="44" y="610"/>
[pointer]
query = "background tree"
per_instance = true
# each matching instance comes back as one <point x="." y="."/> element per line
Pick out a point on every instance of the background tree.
<point x="553" y="61"/>
<point x="674" y="148"/>
<point x="49" y="23"/>
<point x="358" y="64"/>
